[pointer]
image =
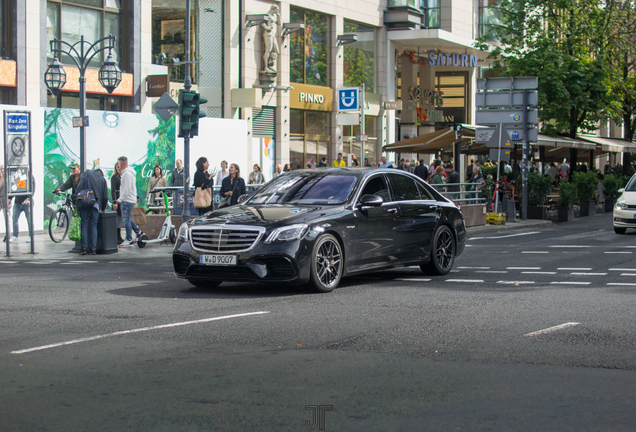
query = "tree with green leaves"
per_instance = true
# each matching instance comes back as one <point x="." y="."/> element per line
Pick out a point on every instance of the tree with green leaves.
<point x="566" y="44"/>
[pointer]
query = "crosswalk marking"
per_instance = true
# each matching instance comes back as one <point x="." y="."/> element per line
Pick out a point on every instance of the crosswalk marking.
<point x="570" y="283"/>
<point x="539" y="272"/>
<point x="465" y="280"/>
<point x="587" y="274"/>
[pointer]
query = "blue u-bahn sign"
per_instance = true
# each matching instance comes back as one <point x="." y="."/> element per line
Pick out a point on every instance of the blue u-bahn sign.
<point x="348" y="99"/>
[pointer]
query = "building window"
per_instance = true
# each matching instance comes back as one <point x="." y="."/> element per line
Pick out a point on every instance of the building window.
<point x="432" y="11"/>
<point x="93" y="19"/>
<point x="489" y="18"/>
<point x="309" y="140"/>
<point x="359" y="57"/>
<point x="6" y="29"/>
<point x="308" y="48"/>
<point x="168" y="37"/>
<point x="93" y="102"/>
<point x="453" y="86"/>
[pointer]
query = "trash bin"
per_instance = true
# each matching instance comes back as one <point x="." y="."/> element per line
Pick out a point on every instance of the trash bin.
<point x="107" y="233"/>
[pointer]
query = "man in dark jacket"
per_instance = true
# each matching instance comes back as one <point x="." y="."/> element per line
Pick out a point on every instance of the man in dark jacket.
<point x="452" y="176"/>
<point x="90" y="216"/>
<point x="422" y="170"/>
<point x="177" y="177"/>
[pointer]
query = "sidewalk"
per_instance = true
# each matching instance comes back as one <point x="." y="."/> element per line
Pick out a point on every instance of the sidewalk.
<point x="46" y="249"/>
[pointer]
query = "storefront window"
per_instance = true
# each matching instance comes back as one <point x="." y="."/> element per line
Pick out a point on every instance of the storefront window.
<point x="454" y="88"/>
<point x="359" y="57"/>
<point x="68" y="20"/>
<point x="93" y="102"/>
<point x="309" y="138"/>
<point x="168" y="37"/>
<point x="489" y="17"/>
<point x="431" y="10"/>
<point x="308" y="48"/>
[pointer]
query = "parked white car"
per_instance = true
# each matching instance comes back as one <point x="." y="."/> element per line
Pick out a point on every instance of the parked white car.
<point x="625" y="208"/>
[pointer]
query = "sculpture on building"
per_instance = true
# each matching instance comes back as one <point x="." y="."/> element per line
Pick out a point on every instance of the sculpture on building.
<point x="270" y="41"/>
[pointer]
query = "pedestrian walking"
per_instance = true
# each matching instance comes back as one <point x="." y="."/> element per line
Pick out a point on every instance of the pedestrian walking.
<point x="115" y="186"/>
<point x="436" y="179"/>
<point x="177" y="176"/>
<point x="203" y="180"/>
<point x="233" y="186"/>
<point x="2" y="198"/>
<point x="422" y="170"/>
<point x="339" y="162"/>
<point x="95" y="181"/>
<point x="127" y="200"/>
<point x="21" y="205"/>
<point x="452" y="177"/>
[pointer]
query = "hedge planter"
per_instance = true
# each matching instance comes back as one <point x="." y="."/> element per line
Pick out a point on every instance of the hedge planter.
<point x="584" y="208"/>
<point x="565" y="214"/>
<point x="537" y="212"/>
<point x="609" y="205"/>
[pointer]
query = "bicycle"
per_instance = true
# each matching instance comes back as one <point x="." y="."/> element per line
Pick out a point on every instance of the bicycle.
<point x="61" y="219"/>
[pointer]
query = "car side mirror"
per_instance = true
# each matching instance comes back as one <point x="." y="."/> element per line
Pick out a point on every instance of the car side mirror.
<point x="370" y="201"/>
<point x="621" y="190"/>
<point x="243" y="198"/>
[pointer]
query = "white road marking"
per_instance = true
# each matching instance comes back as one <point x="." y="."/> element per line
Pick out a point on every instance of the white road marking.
<point x="628" y="274"/>
<point x="8" y="262"/>
<point x="570" y="246"/>
<point x="576" y="252"/>
<point x="621" y="284"/>
<point x="491" y="271"/>
<point x="616" y="252"/>
<point x="70" y="263"/>
<point x="413" y="280"/>
<point x="535" y="252"/>
<point x="503" y="236"/>
<point x="84" y="262"/>
<point x="551" y="329"/>
<point x="587" y="274"/>
<point x="538" y="272"/>
<point x="575" y="268"/>
<point x="476" y="268"/>
<point x="622" y="269"/>
<point x="630" y="247"/>
<point x="465" y="280"/>
<point x="570" y="283"/>
<point x="523" y="268"/>
<point x="143" y="329"/>
<point x="515" y="282"/>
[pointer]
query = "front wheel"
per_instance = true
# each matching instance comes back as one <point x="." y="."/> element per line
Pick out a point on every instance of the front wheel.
<point x="619" y="230"/>
<point x="326" y="264"/>
<point x="58" y="225"/>
<point x="173" y="236"/>
<point x="141" y="241"/>
<point x="442" y="253"/>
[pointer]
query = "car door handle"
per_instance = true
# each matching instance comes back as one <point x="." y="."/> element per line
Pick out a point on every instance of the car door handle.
<point x="433" y="207"/>
<point x="392" y="210"/>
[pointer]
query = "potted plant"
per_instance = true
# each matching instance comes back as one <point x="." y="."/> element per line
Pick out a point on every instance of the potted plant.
<point x="538" y="187"/>
<point x="611" y="184"/>
<point x="567" y="196"/>
<point x="585" y="184"/>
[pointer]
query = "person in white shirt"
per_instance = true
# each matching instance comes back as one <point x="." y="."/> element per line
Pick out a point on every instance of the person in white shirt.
<point x="127" y="200"/>
<point x="221" y="174"/>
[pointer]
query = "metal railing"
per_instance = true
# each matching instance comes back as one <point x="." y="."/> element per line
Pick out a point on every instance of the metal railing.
<point x="462" y="196"/>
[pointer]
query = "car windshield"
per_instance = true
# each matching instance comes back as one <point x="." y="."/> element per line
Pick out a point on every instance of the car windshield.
<point x="631" y="186"/>
<point x="306" y="188"/>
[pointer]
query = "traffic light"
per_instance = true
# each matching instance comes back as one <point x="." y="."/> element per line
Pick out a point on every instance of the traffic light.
<point x="189" y="113"/>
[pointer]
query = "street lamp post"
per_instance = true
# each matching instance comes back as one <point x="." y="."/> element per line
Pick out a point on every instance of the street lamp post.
<point x="82" y="52"/>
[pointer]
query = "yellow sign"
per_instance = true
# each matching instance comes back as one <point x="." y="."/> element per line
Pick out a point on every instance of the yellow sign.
<point x="311" y="97"/>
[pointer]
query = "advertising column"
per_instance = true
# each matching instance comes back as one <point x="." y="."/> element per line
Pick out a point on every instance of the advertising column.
<point x="18" y="180"/>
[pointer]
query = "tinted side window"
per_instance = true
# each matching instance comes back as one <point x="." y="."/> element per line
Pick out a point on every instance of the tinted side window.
<point x="424" y="193"/>
<point x="377" y="186"/>
<point x="404" y="188"/>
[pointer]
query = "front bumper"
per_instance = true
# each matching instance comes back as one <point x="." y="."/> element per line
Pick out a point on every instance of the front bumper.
<point x="624" y="218"/>
<point x="287" y="262"/>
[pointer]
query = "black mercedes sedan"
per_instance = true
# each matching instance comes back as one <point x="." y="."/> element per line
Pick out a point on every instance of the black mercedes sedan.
<point x="318" y="225"/>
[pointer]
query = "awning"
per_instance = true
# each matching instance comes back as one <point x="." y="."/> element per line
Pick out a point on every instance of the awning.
<point x="427" y="143"/>
<point x="606" y="144"/>
<point x="547" y="141"/>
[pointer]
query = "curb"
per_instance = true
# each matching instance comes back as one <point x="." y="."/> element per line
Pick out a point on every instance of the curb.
<point x="509" y="226"/>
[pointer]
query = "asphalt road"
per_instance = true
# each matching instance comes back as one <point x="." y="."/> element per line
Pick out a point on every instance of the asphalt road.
<point x="533" y="330"/>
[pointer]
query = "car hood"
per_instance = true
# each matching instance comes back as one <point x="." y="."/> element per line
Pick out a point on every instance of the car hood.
<point x="266" y="215"/>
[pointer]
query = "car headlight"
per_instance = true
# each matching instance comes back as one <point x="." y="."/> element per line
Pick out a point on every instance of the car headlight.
<point x="621" y="206"/>
<point x="184" y="231"/>
<point x="293" y="232"/>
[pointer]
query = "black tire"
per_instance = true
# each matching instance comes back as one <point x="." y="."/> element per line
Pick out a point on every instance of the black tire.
<point x="141" y="241"/>
<point x="173" y="236"/>
<point x="58" y="225"/>
<point x="327" y="264"/>
<point x="619" y="230"/>
<point x="442" y="253"/>
<point x="202" y="283"/>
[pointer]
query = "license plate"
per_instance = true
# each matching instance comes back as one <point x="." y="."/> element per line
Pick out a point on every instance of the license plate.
<point x="220" y="260"/>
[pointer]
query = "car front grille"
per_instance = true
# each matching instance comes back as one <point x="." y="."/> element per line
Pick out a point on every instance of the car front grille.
<point x="223" y="239"/>
<point x="627" y="221"/>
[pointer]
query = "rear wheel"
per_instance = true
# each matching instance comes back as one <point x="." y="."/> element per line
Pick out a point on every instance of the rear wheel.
<point x="173" y="236"/>
<point x="141" y="241"/>
<point x="326" y="264"/>
<point x="199" y="283"/>
<point x="442" y="253"/>
<point x="619" y="230"/>
<point x="58" y="225"/>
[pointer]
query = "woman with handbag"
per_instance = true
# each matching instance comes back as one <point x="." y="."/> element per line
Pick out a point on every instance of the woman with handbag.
<point x="233" y="187"/>
<point x="203" y="183"/>
<point x="157" y="180"/>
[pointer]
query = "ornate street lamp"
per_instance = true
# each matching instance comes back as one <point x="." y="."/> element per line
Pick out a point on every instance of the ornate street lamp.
<point x="82" y="52"/>
<point x="55" y="77"/>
